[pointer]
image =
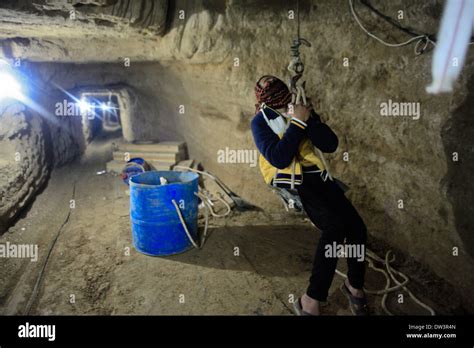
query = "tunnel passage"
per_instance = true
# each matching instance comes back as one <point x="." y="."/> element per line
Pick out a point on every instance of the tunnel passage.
<point x="105" y="110"/>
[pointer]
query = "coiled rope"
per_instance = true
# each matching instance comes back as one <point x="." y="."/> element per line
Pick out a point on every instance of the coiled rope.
<point x="389" y="272"/>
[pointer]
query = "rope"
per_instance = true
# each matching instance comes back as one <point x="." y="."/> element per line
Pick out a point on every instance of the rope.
<point x="186" y="230"/>
<point x="424" y="38"/>
<point x="196" y="171"/>
<point x="389" y="273"/>
<point x="207" y="199"/>
<point x="208" y="202"/>
<point x="191" y="239"/>
<point x="220" y="183"/>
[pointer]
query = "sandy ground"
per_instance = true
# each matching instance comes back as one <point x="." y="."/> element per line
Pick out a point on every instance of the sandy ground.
<point x="94" y="269"/>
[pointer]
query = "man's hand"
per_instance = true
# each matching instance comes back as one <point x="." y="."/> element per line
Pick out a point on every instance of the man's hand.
<point x="301" y="112"/>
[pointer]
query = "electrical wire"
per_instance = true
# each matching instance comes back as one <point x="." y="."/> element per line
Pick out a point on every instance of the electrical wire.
<point x="392" y="21"/>
<point x="40" y="277"/>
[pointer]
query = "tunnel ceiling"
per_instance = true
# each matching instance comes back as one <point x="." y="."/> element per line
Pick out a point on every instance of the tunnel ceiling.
<point x="81" y="30"/>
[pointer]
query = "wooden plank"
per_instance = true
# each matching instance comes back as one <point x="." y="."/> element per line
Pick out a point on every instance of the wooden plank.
<point x="160" y="165"/>
<point x="148" y="156"/>
<point x="117" y="166"/>
<point x="167" y="146"/>
<point x="172" y="145"/>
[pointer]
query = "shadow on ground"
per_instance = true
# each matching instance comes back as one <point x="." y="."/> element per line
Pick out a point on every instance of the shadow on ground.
<point x="270" y="250"/>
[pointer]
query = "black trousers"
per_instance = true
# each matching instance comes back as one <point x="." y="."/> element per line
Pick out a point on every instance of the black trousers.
<point x="330" y="210"/>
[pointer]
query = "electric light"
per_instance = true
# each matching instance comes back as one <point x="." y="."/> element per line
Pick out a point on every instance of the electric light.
<point x="105" y="107"/>
<point x="84" y="106"/>
<point x="9" y="86"/>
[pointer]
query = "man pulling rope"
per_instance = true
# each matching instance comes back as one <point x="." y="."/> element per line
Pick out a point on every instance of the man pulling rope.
<point x="286" y="136"/>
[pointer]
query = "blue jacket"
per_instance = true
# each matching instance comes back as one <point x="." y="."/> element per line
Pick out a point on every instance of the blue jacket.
<point x="280" y="152"/>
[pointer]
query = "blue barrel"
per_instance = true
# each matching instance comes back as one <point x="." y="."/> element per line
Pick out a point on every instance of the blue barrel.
<point x="156" y="227"/>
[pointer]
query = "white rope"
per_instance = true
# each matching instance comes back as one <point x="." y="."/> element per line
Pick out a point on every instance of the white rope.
<point x="196" y="171"/>
<point x="206" y="226"/>
<point x="188" y="234"/>
<point x="419" y="39"/>
<point x="300" y="97"/>
<point x="206" y="195"/>
<point x="180" y="215"/>
<point x="208" y="200"/>
<point x="389" y="274"/>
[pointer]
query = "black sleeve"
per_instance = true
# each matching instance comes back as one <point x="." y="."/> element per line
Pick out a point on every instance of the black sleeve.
<point x="320" y="134"/>
<point x="279" y="152"/>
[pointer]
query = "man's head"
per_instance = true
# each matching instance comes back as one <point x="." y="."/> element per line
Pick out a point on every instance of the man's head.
<point x="273" y="92"/>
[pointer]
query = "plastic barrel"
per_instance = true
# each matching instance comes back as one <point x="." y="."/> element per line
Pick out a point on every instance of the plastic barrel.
<point x="156" y="227"/>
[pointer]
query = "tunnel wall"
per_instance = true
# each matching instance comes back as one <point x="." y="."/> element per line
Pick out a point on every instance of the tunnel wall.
<point x="23" y="163"/>
<point x="33" y="140"/>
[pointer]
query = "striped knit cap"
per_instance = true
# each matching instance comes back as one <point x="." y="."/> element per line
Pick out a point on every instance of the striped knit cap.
<point x="273" y="92"/>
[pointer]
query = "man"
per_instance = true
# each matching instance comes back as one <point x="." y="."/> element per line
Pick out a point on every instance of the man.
<point x="286" y="136"/>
